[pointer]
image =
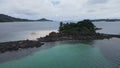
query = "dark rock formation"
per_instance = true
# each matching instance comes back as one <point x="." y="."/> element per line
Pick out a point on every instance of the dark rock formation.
<point x="12" y="46"/>
<point x="76" y="36"/>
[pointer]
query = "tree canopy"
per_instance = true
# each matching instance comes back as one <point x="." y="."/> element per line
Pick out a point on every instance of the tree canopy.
<point x="85" y="26"/>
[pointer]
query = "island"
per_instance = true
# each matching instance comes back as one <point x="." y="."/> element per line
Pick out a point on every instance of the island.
<point x="6" y="18"/>
<point x="82" y="30"/>
<point x="44" y="19"/>
<point x="106" y="20"/>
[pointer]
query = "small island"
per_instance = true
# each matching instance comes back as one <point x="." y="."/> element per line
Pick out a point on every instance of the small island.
<point x="106" y="20"/>
<point x="44" y="19"/>
<point x="82" y="30"/>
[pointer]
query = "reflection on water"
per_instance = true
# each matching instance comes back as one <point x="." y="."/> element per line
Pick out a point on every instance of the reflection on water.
<point x="110" y="49"/>
<point x="14" y="55"/>
<point x="22" y="53"/>
<point x="25" y="30"/>
<point x="33" y="35"/>
<point x="32" y="30"/>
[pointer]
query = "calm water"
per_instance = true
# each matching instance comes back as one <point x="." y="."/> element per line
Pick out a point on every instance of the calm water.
<point x="64" y="54"/>
<point x="109" y="27"/>
<point x="25" y="30"/>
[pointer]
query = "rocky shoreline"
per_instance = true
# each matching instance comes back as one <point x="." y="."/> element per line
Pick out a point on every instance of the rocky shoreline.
<point x="16" y="45"/>
<point x="82" y="30"/>
<point x="53" y="36"/>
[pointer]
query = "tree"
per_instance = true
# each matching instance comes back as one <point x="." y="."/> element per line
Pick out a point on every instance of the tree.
<point x="85" y="26"/>
<point x="61" y="26"/>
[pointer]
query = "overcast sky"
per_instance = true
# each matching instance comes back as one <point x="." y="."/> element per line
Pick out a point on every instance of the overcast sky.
<point x="61" y="9"/>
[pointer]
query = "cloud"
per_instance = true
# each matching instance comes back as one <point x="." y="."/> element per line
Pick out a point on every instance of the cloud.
<point x="55" y="2"/>
<point x="97" y="1"/>
<point x="61" y="9"/>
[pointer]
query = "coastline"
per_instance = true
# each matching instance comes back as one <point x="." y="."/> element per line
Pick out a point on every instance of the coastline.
<point x="52" y="37"/>
<point x="16" y="45"/>
<point x="83" y="30"/>
<point x="23" y="35"/>
<point x="31" y="41"/>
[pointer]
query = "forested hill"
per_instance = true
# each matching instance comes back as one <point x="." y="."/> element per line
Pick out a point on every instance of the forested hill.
<point x="6" y="18"/>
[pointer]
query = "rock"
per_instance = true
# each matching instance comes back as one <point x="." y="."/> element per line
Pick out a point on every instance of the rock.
<point x="53" y="36"/>
<point x="16" y="45"/>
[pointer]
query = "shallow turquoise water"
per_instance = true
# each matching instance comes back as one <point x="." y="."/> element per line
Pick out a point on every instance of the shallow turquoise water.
<point x="63" y="55"/>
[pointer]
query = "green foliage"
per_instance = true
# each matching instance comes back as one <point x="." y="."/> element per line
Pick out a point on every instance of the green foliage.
<point x="85" y="26"/>
<point x="6" y="18"/>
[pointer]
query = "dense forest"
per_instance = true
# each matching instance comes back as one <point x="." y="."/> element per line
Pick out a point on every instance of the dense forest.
<point x="85" y="26"/>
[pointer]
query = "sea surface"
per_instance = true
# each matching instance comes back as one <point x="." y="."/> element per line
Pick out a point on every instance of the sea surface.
<point x="12" y="31"/>
<point x="62" y="54"/>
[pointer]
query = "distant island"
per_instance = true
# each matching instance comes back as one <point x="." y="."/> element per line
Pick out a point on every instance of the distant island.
<point x="107" y="20"/>
<point x="6" y="18"/>
<point x="44" y="19"/>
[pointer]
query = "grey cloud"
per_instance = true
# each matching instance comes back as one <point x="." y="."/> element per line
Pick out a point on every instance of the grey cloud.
<point x="90" y="11"/>
<point x="97" y="1"/>
<point x="72" y="9"/>
<point x="25" y="12"/>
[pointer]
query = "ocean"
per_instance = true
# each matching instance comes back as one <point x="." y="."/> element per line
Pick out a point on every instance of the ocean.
<point x="61" y="54"/>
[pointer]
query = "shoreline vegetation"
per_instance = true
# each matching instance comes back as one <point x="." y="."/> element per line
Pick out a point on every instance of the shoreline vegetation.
<point x="82" y="30"/>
